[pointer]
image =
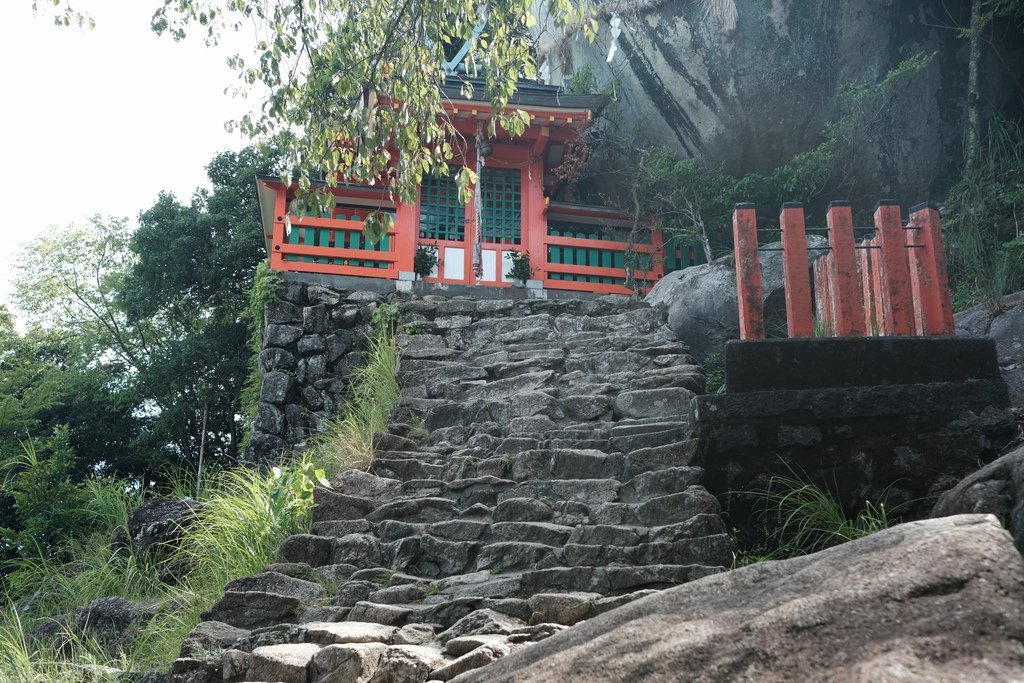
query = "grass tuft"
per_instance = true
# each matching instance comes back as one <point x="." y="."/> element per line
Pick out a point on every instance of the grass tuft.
<point x="373" y="394"/>
<point x="804" y="519"/>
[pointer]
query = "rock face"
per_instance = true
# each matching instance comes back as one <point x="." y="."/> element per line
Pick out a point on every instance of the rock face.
<point x="703" y="304"/>
<point x="996" y="489"/>
<point x="936" y="600"/>
<point x="1006" y="327"/>
<point x="537" y="473"/>
<point x="751" y="83"/>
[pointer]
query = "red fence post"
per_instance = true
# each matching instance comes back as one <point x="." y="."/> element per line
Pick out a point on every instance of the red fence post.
<point x="933" y="305"/>
<point x="823" y="294"/>
<point x="879" y="293"/>
<point x="849" y="306"/>
<point x="867" y="290"/>
<point x="799" y="316"/>
<point x="896" y="296"/>
<point x="749" y="292"/>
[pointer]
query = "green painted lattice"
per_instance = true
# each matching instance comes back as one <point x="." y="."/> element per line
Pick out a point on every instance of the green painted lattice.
<point x="442" y="216"/>
<point x="593" y="257"/>
<point x="501" y="192"/>
<point x="578" y="256"/>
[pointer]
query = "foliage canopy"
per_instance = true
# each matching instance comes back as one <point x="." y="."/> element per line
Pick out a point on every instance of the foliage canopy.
<point x="353" y="89"/>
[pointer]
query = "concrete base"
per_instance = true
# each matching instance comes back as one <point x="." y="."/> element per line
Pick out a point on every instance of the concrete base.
<point x="856" y="362"/>
<point x="893" y="420"/>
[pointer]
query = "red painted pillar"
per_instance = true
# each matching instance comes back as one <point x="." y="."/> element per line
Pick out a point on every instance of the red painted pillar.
<point x="749" y="292"/>
<point x="896" y="298"/>
<point x="849" y="308"/>
<point x="828" y="268"/>
<point x="928" y="265"/>
<point x="799" y="316"/>
<point x="535" y="225"/>
<point x="280" y="211"/>
<point x="407" y="220"/>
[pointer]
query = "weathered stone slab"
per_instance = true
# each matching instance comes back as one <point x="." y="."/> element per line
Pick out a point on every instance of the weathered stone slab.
<point x="950" y="593"/>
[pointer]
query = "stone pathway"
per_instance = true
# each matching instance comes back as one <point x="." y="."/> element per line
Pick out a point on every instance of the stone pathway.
<point x="536" y="474"/>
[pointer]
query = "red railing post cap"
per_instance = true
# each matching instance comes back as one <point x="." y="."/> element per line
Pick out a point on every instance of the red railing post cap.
<point x="923" y="206"/>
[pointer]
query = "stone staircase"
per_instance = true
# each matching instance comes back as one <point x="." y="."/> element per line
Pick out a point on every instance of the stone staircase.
<point x="537" y="473"/>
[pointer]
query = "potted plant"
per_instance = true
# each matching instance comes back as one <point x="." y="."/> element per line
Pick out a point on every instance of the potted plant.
<point x="519" y="269"/>
<point x="424" y="260"/>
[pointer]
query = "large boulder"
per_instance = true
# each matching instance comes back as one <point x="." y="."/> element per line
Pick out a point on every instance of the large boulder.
<point x="703" y="304"/>
<point x="935" y="600"/>
<point x="153" y="532"/>
<point x="113" y="622"/>
<point x="996" y="489"/>
<point x="1006" y="327"/>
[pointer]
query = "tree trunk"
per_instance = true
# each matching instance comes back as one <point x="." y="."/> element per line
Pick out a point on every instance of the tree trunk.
<point x="973" y="97"/>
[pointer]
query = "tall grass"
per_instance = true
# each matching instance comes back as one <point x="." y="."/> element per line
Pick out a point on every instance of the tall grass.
<point x="803" y="519"/>
<point x="373" y="395"/>
<point x="23" y="661"/>
<point x="244" y="514"/>
<point x="983" y="216"/>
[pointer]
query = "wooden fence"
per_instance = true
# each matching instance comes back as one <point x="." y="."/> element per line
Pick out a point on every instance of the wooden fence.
<point x="892" y="281"/>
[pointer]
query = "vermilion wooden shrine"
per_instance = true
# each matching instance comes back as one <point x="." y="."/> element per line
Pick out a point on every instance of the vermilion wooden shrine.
<point x="571" y="246"/>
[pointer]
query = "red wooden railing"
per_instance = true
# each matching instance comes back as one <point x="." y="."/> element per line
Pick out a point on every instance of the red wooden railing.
<point x="572" y="247"/>
<point x="334" y="245"/>
<point x="892" y="282"/>
<point x="583" y="250"/>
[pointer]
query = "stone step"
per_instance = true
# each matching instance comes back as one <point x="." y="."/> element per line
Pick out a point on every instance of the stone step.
<point x="608" y="534"/>
<point x="565" y="463"/>
<point x="707" y="550"/>
<point x="430" y="509"/>
<point x="609" y="580"/>
<point x="578" y="444"/>
<point x="516" y="555"/>
<point x="544" y="533"/>
<point x="659" y="483"/>
<point x="635" y="442"/>
<point x="674" y="454"/>
<point x="336" y="527"/>
<point x="658" y="511"/>
<point x="406" y="468"/>
<point x="587" y="491"/>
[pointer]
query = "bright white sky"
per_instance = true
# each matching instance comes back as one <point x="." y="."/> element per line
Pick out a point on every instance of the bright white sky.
<point x="99" y="122"/>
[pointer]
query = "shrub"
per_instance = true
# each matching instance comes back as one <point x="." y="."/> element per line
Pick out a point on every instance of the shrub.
<point x="520" y="268"/>
<point x="424" y="260"/>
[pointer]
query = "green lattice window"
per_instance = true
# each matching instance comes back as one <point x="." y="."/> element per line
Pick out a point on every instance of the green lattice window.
<point x="501" y="192"/>
<point x="442" y="216"/>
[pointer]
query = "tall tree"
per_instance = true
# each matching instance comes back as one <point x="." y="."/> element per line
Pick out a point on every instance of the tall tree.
<point x="161" y="308"/>
<point x="194" y="267"/>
